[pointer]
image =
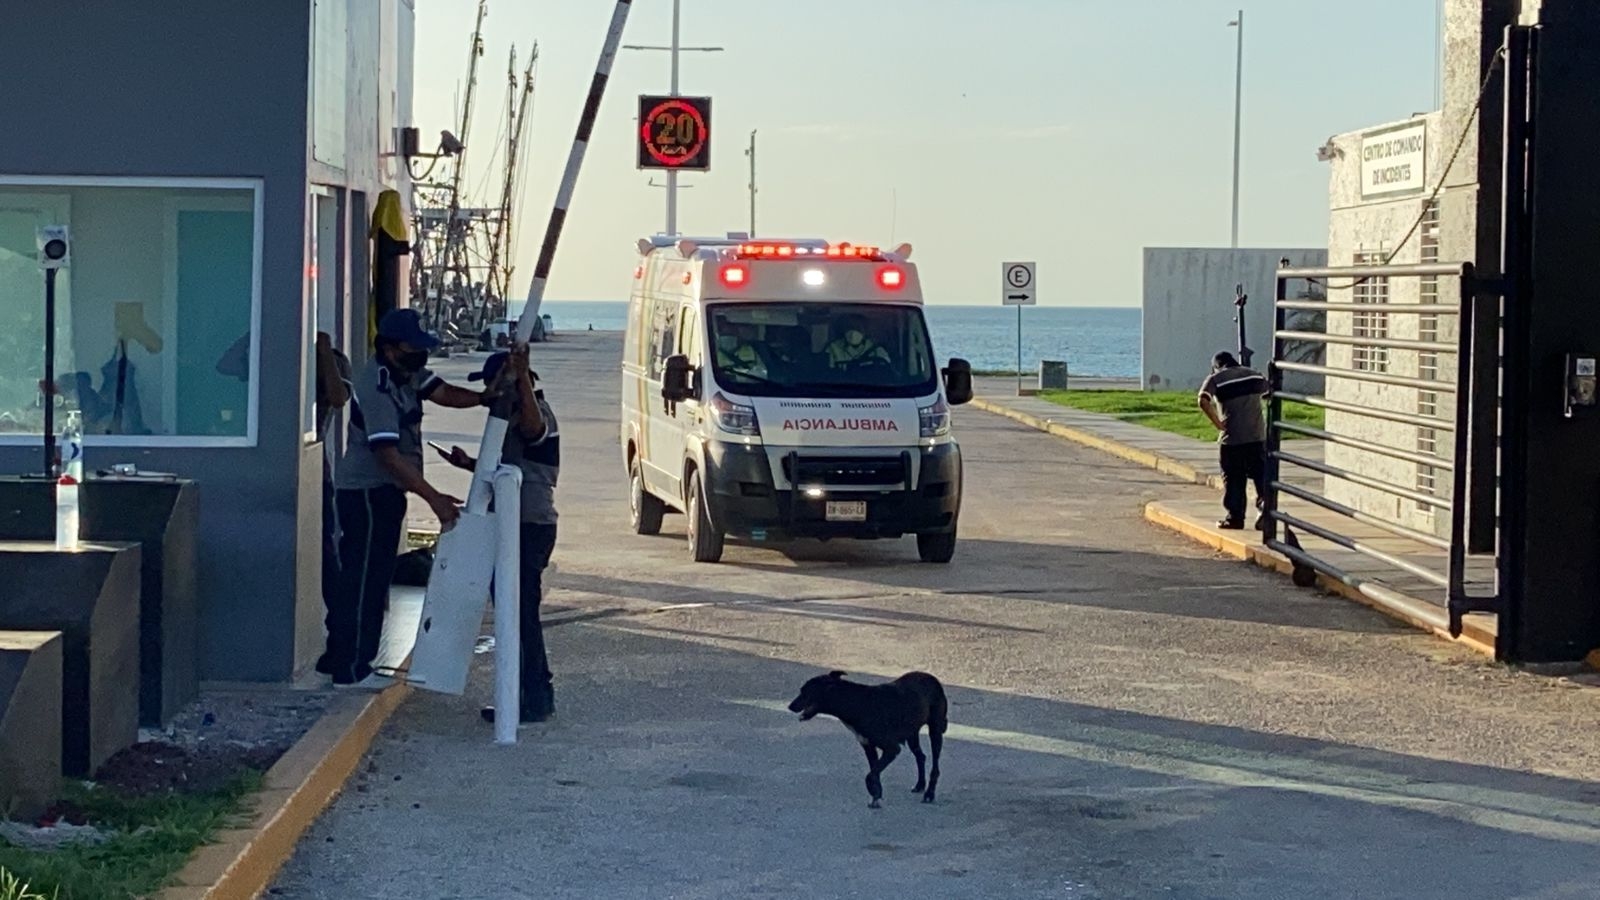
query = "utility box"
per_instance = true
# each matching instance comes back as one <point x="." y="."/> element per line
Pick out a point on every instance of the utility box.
<point x="1052" y="375"/>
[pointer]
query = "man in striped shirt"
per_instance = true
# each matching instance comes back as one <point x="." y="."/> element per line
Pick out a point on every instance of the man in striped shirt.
<point x="1231" y="399"/>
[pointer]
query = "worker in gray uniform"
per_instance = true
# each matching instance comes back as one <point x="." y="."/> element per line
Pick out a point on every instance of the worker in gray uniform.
<point x="382" y="463"/>
<point x="533" y="444"/>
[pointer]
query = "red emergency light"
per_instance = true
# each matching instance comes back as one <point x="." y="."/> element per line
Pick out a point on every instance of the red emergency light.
<point x="735" y="275"/>
<point x="891" y="278"/>
<point x="777" y="250"/>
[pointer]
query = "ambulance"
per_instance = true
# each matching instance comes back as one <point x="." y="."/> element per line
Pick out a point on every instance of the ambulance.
<point x="777" y="390"/>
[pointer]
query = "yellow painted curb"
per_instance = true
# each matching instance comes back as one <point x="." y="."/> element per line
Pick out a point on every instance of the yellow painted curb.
<point x="242" y="863"/>
<point x="1473" y="636"/>
<point x="1149" y="460"/>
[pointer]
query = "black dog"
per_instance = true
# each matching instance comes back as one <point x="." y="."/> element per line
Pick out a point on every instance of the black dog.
<point x="882" y="717"/>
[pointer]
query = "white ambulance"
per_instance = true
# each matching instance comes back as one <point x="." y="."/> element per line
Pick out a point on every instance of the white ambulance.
<point x="783" y="389"/>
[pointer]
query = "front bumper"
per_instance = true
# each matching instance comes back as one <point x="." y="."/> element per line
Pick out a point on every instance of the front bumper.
<point x="744" y="502"/>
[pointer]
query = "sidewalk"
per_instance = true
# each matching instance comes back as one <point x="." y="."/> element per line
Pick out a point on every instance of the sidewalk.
<point x="1396" y="593"/>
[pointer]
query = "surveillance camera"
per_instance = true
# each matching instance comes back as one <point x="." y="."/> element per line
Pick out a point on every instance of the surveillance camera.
<point x="449" y="144"/>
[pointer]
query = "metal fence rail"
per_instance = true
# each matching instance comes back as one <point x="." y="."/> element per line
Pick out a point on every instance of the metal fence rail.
<point x="1453" y="576"/>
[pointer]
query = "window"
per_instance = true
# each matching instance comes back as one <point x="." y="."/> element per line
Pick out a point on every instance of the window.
<point x="1375" y="325"/>
<point x="663" y="334"/>
<point x="156" y="313"/>
<point x="1427" y="476"/>
<point x="322" y="304"/>
<point x="778" y="349"/>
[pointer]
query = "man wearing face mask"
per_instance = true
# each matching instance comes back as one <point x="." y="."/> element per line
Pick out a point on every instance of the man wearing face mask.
<point x="382" y="463"/>
<point x="736" y="352"/>
<point x="855" y="348"/>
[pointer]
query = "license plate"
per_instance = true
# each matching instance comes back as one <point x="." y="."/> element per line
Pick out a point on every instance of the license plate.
<point x="846" y="511"/>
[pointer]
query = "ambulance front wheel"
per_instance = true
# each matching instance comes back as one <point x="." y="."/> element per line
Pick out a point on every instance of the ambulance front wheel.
<point x="705" y="541"/>
<point x="644" y="508"/>
<point x="937" y="546"/>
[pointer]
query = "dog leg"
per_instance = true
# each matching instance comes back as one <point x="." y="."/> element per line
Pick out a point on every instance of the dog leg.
<point x="874" y="788"/>
<point x="915" y="745"/>
<point x="936" y="743"/>
<point x="875" y="784"/>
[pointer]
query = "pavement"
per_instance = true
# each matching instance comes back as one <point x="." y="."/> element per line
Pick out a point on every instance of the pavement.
<point x="1405" y="595"/>
<point x="1133" y="716"/>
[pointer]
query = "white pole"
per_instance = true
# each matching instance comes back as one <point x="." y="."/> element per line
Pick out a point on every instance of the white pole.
<point x="672" y="174"/>
<point x="1238" y="108"/>
<point x="494" y="430"/>
<point x="508" y="604"/>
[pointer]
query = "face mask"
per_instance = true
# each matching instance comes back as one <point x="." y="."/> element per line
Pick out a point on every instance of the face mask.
<point x="412" y="360"/>
<point x="854" y="337"/>
<point x="727" y="342"/>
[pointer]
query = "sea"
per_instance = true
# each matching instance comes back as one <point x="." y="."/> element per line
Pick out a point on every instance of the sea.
<point x="1093" y="341"/>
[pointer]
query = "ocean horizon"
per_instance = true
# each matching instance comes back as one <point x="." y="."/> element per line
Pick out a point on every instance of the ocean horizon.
<point x="1093" y="340"/>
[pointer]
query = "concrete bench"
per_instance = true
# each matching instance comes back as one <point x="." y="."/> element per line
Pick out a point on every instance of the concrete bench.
<point x="30" y="722"/>
<point x="91" y="596"/>
<point x="163" y="517"/>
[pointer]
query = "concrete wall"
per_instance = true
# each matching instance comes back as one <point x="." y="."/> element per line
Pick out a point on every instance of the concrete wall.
<point x="1188" y="310"/>
<point x="100" y="87"/>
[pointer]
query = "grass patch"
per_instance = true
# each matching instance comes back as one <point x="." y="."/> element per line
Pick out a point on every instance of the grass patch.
<point x="1166" y="411"/>
<point x="151" y="840"/>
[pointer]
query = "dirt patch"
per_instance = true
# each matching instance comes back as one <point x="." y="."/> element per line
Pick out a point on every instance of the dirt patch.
<point x="149" y="767"/>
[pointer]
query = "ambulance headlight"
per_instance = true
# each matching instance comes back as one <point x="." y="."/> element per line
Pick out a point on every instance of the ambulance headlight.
<point x="734" y="418"/>
<point x="935" y="419"/>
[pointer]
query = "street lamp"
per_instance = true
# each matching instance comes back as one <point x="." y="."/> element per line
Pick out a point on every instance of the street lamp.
<point x="1238" y="106"/>
<point x="674" y="48"/>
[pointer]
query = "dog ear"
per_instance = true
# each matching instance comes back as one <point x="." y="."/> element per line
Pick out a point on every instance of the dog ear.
<point x="836" y="674"/>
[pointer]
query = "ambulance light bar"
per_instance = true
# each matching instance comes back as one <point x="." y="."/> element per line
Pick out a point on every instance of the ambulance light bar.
<point x="790" y="251"/>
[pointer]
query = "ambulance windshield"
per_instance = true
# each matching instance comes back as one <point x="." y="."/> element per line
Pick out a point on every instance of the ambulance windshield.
<point x="821" y="350"/>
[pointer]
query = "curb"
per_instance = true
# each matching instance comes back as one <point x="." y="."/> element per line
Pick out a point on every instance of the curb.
<point x="242" y="862"/>
<point x="1473" y="636"/>
<point x="1150" y="460"/>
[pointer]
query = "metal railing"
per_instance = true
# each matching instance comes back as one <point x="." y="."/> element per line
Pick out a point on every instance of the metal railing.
<point x="1453" y="576"/>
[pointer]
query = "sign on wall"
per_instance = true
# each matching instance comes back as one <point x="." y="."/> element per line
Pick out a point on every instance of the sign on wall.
<point x="1394" y="161"/>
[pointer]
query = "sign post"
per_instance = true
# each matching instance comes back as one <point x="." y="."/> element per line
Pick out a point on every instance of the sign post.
<point x="1019" y="287"/>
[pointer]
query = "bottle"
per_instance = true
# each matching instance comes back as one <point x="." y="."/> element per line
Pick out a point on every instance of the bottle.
<point x="71" y="451"/>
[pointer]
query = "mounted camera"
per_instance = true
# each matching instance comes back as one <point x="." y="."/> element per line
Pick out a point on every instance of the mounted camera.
<point x="54" y="246"/>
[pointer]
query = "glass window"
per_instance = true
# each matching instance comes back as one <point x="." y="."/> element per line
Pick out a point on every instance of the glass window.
<point x="322" y="300"/>
<point x="779" y="349"/>
<point x="154" y="313"/>
<point x="663" y="334"/>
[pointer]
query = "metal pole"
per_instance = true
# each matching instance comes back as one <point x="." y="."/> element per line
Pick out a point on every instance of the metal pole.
<point x="752" y="154"/>
<point x="1239" y="300"/>
<point x="49" y="396"/>
<point x="1019" y="350"/>
<point x="508" y="604"/>
<point x="672" y="174"/>
<point x="494" y="429"/>
<point x="1238" y="111"/>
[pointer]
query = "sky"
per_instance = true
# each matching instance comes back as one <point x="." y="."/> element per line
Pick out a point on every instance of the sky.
<point x="1070" y="132"/>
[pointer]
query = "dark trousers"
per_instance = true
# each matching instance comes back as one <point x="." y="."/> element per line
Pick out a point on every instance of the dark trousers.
<point x="372" y="521"/>
<point x="1242" y="464"/>
<point x="538" y="696"/>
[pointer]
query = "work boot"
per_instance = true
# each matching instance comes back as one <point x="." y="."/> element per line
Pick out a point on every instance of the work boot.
<point x="1231" y="525"/>
<point x="528" y="716"/>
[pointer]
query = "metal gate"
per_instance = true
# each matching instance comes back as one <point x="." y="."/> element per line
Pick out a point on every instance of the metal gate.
<point x="1465" y="311"/>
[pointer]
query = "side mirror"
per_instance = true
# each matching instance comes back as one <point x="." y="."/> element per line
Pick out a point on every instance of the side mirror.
<point x="958" y="382"/>
<point x="677" y="380"/>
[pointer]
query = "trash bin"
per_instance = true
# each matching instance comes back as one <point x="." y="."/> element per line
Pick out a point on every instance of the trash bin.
<point x="1052" y="375"/>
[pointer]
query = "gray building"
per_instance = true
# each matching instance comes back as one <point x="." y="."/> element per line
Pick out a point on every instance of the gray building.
<point x="216" y="164"/>
<point x="1188" y="312"/>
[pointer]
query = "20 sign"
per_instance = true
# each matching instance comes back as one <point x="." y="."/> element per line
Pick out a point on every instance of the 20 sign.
<point x="675" y="133"/>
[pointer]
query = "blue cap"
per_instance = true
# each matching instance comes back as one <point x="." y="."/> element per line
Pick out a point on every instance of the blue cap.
<point x="404" y="326"/>
<point x="492" y="366"/>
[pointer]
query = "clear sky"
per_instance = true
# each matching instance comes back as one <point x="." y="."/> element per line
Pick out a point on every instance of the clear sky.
<point x="1071" y="132"/>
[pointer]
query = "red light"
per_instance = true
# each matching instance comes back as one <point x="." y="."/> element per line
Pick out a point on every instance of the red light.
<point x="786" y="250"/>
<point x="891" y="278"/>
<point x="769" y="250"/>
<point x="735" y="276"/>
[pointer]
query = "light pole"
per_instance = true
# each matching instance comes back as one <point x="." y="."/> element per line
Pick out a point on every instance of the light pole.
<point x="1238" y="108"/>
<point x="752" y="154"/>
<point x="674" y="48"/>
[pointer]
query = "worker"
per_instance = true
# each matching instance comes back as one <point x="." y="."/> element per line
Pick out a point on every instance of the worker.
<point x="333" y="393"/>
<point x="382" y="463"/>
<point x="1231" y="399"/>
<point x="736" y="350"/>
<point x="855" y="348"/>
<point x="533" y="444"/>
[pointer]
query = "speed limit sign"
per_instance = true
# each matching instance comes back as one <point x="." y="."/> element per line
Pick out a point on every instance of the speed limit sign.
<point x="675" y="133"/>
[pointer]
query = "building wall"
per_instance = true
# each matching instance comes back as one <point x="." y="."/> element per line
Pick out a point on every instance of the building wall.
<point x="1371" y="229"/>
<point x="1188" y="310"/>
<point x="103" y="88"/>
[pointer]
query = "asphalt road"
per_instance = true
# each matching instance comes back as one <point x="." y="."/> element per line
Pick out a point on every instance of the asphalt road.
<point x="1131" y="717"/>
